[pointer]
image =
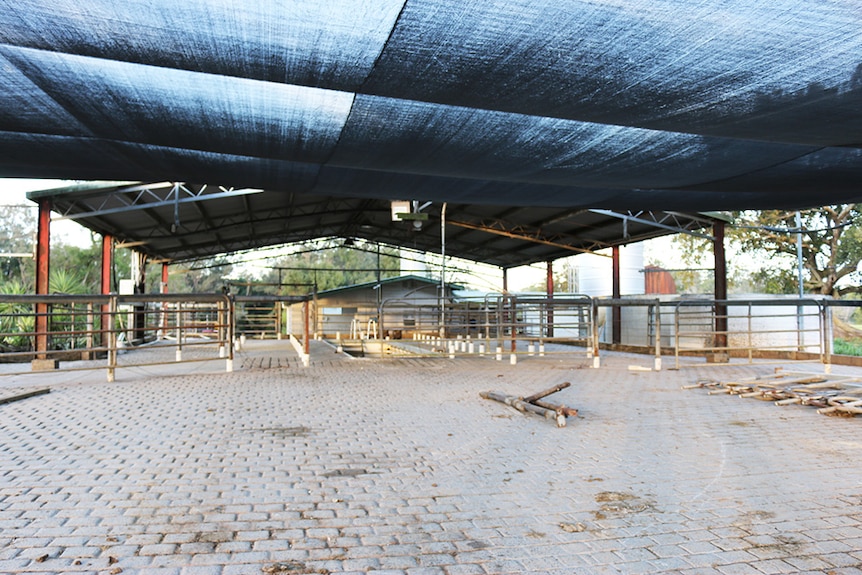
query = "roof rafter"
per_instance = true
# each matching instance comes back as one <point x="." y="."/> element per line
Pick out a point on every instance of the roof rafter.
<point x="670" y="221"/>
<point x="522" y="233"/>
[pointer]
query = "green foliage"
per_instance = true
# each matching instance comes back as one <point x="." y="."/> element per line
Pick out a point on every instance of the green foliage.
<point x="17" y="236"/>
<point x="77" y="270"/>
<point x="831" y="245"/>
<point x="773" y="281"/>
<point x="203" y="276"/>
<point x="329" y="267"/>
<point x="66" y="281"/>
<point x="15" y="319"/>
<point x="831" y="251"/>
<point x="847" y="347"/>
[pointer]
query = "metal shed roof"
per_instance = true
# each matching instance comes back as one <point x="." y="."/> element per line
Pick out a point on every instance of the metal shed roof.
<point x="627" y="105"/>
<point x="175" y="221"/>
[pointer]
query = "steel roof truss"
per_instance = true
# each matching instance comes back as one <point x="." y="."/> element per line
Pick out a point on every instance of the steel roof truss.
<point x="670" y="221"/>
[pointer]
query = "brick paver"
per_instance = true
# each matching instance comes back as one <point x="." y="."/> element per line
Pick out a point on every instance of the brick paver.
<point x="398" y="467"/>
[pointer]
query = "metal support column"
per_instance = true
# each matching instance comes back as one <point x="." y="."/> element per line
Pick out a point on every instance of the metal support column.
<point x="139" y="276"/>
<point x="616" y="311"/>
<point x="164" y="289"/>
<point x="549" y="282"/>
<point x="43" y="259"/>
<point x="720" y="285"/>
<point x="107" y="268"/>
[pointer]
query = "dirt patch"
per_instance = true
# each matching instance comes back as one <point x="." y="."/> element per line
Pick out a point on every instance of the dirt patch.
<point x="285" y="432"/>
<point x="615" y="503"/>
<point x="345" y="473"/>
<point x="784" y="544"/>
<point x="291" y="567"/>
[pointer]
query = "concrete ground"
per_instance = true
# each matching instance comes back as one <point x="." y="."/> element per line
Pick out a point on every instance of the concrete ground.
<point x="399" y="467"/>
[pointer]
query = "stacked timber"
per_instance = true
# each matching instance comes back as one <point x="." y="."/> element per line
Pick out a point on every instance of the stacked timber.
<point x="832" y="395"/>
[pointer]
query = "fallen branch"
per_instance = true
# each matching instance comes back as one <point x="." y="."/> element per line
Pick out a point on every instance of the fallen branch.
<point x="537" y="396"/>
<point x="547" y="410"/>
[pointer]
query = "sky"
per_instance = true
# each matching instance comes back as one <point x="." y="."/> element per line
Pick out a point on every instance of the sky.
<point x="13" y="192"/>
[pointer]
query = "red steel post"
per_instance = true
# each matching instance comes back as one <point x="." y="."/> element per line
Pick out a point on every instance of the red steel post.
<point x="616" y="313"/>
<point x="720" y="285"/>
<point x="107" y="267"/>
<point x="550" y="291"/>
<point x="43" y="260"/>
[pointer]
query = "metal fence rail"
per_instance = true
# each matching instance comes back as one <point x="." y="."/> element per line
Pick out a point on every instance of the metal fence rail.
<point x="263" y="317"/>
<point x="755" y="327"/>
<point x="72" y="332"/>
<point x="465" y="326"/>
<point x="116" y="331"/>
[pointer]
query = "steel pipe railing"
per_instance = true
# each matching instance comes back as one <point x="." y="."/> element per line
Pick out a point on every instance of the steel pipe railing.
<point x="98" y="331"/>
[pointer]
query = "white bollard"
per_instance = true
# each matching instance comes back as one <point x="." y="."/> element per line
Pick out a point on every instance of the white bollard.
<point x="531" y="349"/>
<point x="499" y="356"/>
<point x="482" y="349"/>
<point x="542" y="349"/>
<point x="513" y="359"/>
<point x="451" y="350"/>
<point x="471" y="349"/>
<point x="229" y="365"/>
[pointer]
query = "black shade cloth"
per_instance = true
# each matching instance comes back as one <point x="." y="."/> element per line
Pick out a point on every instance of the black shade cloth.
<point x="624" y="104"/>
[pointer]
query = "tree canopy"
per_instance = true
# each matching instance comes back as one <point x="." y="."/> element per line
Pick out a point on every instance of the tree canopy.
<point x="328" y="267"/>
<point x="767" y="242"/>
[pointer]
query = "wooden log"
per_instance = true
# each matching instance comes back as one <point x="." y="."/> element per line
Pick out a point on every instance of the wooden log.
<point x="547" y="392"/>
<point x="24" y="395"/>
<point x="844" y="404"/>
<point x="789" y="401"/>
<point x="567" y="411"/>
<point x="524" y="406"/>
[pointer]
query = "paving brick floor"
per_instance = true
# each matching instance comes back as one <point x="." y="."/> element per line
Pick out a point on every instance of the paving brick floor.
<point x="398" y="467"/>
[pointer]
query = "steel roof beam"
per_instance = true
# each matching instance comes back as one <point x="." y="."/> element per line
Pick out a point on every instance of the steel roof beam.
<point x="650" y="219"/>
<point x="521" y="233"/>
<point x="136" y="204"/>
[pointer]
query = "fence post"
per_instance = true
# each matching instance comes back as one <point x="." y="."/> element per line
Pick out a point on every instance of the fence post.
<point x="514" y="327"/>
<point x="89" y="338"/>
<point x="594" y="334"/>
<point x="657" y="363"/>
<point x="305" y="328"/>
<point x="826" y="322"/>
<point x="221" y="320"/>
<point x="279" y="310"/>
<point x="676" y="333"/>
<point x="179" y="356"/>
<point x="229" y="330"/>
<point x="111" y="337"/>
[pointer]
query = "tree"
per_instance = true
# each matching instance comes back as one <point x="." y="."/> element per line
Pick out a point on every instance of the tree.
<point x="831" y="250"/>
<point x="831" y="247"/>
<point x="202" y="276"/>
<point x="76" y="269"/>
<point x="17" y="236"/>
<point x="331" y="267"/>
